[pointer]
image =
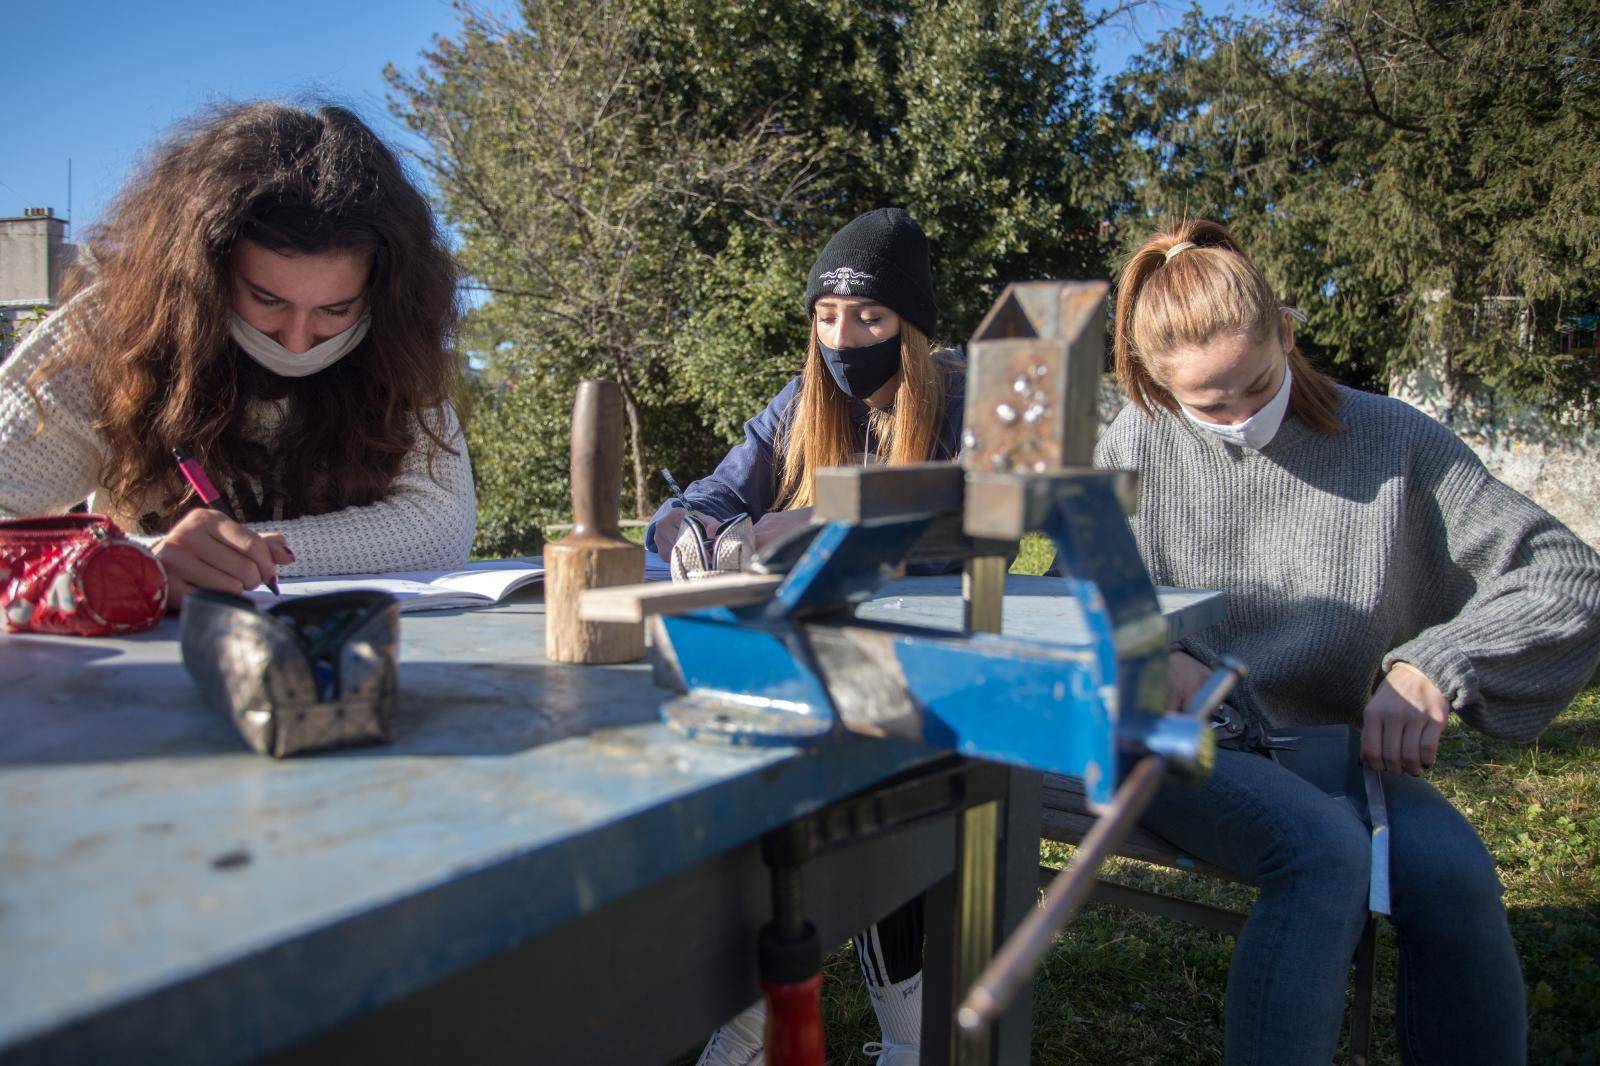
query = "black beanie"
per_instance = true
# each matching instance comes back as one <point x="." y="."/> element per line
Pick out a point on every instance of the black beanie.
<point x="880" y="256"/>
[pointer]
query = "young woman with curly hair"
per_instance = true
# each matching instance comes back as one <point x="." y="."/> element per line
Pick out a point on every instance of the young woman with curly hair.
<point x="271" y="294"/>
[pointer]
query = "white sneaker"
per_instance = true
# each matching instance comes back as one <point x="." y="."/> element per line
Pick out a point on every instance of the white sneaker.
<point x="893" y="1054"/>
<point x="740" y="1041"/>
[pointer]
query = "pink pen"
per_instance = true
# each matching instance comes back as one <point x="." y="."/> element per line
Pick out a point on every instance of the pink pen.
<point x="195" y="475"/>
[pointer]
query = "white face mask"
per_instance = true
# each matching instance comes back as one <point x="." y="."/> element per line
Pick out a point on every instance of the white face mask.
<point x="1257" y="431"/>
<point x="280" y="360"/>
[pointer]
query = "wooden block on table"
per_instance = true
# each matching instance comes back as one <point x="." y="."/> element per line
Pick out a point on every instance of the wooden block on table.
<point x="575" y="567"/>
<point x="634" y="603"/>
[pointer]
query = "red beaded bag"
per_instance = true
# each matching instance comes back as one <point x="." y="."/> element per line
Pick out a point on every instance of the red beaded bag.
<point x="79" y="575"/>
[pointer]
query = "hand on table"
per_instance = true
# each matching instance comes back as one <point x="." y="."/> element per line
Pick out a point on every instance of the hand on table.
<point x="1185" y="675"/>
<point x="775" y="525"/>
<point x="208" y="550"/>
<point x="1401" y="726"/>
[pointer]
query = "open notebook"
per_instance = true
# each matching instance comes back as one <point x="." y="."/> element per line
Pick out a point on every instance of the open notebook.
<point x="478" y="585"/>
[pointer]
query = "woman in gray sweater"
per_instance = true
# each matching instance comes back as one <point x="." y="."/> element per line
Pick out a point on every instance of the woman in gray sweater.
<point x="1377" y="575"/>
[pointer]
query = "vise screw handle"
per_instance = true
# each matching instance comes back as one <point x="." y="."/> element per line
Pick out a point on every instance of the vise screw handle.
<point x="1018" y="959"/>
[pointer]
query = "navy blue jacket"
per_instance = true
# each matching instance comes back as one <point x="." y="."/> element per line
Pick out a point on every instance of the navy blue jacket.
<point x="746" y="482"/>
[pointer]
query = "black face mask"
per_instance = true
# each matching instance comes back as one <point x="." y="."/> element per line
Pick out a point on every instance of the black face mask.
<point x="860" y="372"/>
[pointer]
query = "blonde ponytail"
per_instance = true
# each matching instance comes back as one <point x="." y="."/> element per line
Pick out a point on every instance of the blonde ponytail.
<point x="1186" y="286"/>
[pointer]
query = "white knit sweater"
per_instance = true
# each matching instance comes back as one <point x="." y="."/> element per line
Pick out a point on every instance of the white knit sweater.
<point x="426" y="522"/>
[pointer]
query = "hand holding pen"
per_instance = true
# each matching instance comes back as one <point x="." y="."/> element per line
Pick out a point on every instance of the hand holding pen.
<point x="672" y="522"/>
<point x="209" y="549"/>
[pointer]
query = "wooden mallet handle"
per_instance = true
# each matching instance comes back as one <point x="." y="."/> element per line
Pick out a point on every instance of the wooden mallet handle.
<point x="594" y="554"/>
<point x="596" y="458"/>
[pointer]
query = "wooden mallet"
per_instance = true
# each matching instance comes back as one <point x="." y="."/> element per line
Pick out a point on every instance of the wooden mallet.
<point x="594" y="554"/>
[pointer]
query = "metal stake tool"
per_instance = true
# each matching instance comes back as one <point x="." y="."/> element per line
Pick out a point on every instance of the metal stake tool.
<point x="977" y="854"/>
<point x="1018" y="959"/>
<point x="983" y="589"/>
<point x="1033" y="370"/>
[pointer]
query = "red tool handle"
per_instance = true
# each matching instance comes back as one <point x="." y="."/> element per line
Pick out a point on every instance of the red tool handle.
<point x="794" y="1034"/>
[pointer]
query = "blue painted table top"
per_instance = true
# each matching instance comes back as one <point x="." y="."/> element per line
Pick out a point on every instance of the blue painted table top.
<point x="1034" y="607"/>
<point x="143" y="846"/>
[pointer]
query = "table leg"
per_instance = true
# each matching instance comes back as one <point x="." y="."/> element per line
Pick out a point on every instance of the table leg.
<point x="1017" y="896"/>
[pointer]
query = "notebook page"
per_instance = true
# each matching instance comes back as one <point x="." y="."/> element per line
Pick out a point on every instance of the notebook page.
<point x="494" y="579"/>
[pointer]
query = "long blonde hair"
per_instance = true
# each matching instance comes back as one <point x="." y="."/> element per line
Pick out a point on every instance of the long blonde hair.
<point x="1200" y="293"/>
<point x="819" y="433"/>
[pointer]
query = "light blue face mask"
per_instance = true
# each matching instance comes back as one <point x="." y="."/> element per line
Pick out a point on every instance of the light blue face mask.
<point x="281" y="361"/>
<point x="1257" y="431"/>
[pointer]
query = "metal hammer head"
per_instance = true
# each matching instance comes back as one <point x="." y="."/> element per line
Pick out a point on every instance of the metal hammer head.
<point x="1033" y="378"/>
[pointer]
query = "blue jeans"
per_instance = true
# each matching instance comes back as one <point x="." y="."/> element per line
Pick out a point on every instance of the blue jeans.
<point x="1460" y="997"/>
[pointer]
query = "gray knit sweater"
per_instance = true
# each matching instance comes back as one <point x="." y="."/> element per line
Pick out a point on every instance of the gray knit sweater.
<point x="1342" y="555"/>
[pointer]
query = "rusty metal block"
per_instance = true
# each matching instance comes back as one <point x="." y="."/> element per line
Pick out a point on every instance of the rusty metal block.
<point x="1033" y="375"/>
<point x="865" y="493"/>
<point x="1005" y="506"/>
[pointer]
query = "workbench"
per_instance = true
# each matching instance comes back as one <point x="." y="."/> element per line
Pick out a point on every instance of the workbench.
<point x="536" y="869"/>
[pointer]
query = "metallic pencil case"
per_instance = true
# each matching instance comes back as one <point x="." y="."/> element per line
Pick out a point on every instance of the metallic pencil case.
<point x="305" y="674"/>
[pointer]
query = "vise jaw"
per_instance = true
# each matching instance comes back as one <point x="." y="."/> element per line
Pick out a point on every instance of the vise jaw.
<point x="800" y="668"/>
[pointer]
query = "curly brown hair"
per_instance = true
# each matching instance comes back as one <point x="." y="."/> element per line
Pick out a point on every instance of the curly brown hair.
<point x="153" y="329"/>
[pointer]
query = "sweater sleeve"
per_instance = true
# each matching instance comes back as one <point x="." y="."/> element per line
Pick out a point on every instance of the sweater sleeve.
<point x="1527" y="637"/>
<point x="744" y="482"/>
<point x="49" y="451"/>
<point x="1108" y="451"/>
<point x="426" y="522"/>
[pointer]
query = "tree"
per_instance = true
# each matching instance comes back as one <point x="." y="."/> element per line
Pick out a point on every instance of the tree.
<point x="1401" y="169"/>
<point x="640" y="193"/>
<point x="578" y="197"/>
<point x="976" y="117"/>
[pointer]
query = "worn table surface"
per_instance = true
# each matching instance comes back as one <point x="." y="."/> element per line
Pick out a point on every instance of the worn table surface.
<point x="143" y="846"/>
<point x="1034" y="607"/>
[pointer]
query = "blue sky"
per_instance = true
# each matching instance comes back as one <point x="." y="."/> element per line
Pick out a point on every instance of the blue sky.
<point x="98" y="81"/>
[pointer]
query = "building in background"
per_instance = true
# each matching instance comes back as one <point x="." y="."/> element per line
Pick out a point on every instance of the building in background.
<point x="34" y="257"/>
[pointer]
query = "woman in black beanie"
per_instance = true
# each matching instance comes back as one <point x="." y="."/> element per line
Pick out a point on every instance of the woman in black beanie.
<point x="873" y="390"/>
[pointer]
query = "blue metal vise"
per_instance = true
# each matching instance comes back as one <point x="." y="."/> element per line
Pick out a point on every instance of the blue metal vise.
<point x="801" y="669"/>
